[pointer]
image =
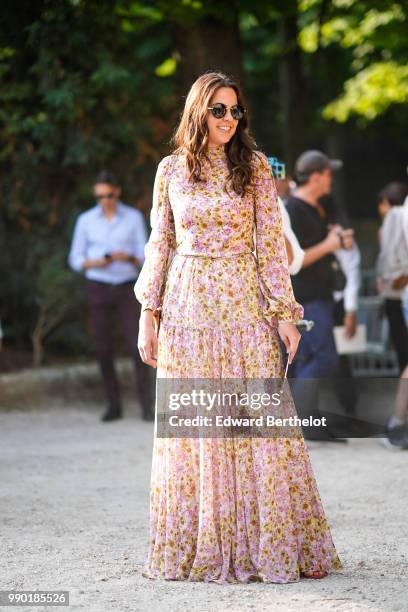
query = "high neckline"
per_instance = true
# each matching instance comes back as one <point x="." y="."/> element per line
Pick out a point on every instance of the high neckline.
<point x="215" y="152"/>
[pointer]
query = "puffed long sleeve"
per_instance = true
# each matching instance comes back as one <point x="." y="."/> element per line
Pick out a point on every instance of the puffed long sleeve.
<point x="273" y="267"/>
<point x="150" y="285"/>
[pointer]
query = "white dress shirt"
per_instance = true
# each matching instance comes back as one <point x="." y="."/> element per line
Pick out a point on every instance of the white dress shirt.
<point x="405" y="218"/>
<point x="393" y="258"/>
<point x="95" y="235"/>
<point x="349" y="260"/>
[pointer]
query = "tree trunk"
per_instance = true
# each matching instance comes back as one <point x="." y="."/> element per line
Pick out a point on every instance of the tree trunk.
<point x="206" y="45"/>
<point x="38" y="349"/>
<point x="46" y="323"/>
<point x="293" y="90"/>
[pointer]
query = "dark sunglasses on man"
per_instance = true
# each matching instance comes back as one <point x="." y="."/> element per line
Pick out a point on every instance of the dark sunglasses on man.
<point x="105" y="196"/>
<point x="219" y="111"/>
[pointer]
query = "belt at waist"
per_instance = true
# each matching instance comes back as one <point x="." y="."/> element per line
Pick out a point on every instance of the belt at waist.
<point x="213" y="256"/>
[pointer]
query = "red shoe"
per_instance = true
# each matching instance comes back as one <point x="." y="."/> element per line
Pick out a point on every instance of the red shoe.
<point x="315" y="575"/>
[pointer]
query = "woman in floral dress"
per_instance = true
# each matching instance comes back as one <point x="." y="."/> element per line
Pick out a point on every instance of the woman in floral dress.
<point x="216" y="277"/>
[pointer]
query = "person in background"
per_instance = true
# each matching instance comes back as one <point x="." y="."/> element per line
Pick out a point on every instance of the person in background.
<point x="393" y="194"/>
<point x="299" y="258"/>
<point x="397" y="424"/>
<point x="285" y="186"/>
<point x="392" y="272"/>
<point x="314" y="283"/>
<point x="1" y="337"/>
<point x="108" y="247"/>
<point x="345" y="310"/>
<point x="295" y="253"/>
<point x="345" y="301"/>
<point x="392" y="265"/>
<point x="405" y="229"/>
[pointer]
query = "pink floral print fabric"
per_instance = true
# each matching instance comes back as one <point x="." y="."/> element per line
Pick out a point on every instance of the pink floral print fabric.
<point x="225" y="509"/>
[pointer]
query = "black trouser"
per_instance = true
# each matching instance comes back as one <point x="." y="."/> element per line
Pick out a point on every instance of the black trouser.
<point x="346" y="393"/>
<point x="111" y="305"/>
<point x="398" y="330"/>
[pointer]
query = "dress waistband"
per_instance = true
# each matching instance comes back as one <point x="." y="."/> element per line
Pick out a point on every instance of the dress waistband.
<point x="213" y="256"/>
<point x="107" y="284"/>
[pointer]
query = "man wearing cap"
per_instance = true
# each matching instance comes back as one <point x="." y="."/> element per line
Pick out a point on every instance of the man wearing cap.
<point x="314" y="284"/>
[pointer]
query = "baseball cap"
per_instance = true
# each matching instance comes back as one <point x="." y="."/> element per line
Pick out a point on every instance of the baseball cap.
<point x="314" y="161"/>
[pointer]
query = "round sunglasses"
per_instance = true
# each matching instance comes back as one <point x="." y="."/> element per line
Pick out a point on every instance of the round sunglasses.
<point x="219" y="111"/>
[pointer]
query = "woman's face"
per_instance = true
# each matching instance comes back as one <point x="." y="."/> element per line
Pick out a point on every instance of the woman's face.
<point x="220" y="131"/>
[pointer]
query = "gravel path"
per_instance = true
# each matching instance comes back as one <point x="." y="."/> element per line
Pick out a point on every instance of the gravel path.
<point x="74" y="516"/>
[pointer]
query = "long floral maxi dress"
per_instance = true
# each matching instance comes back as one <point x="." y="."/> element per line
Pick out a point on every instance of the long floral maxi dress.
<point x="225" y="510"/>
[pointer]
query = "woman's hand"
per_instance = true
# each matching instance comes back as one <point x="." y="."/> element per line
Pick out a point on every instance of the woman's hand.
<point x="290" y="336"/>
<point x="147" y="341"/>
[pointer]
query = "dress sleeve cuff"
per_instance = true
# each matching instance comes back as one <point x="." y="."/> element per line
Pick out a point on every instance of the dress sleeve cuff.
<point x="155" y="311"/>
<point x="277" y="312"/>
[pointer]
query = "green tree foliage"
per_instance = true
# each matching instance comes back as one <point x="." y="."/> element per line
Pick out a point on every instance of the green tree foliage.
<point x="373" y="36"/>
<point x="78" y="92"/>
<point x="87" y="84"/>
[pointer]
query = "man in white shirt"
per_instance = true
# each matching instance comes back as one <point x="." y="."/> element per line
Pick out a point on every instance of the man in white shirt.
<point x="108" y="248"/>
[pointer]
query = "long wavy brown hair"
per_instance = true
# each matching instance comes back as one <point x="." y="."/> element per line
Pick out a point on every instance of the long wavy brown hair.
<point x="191" y="135"/>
